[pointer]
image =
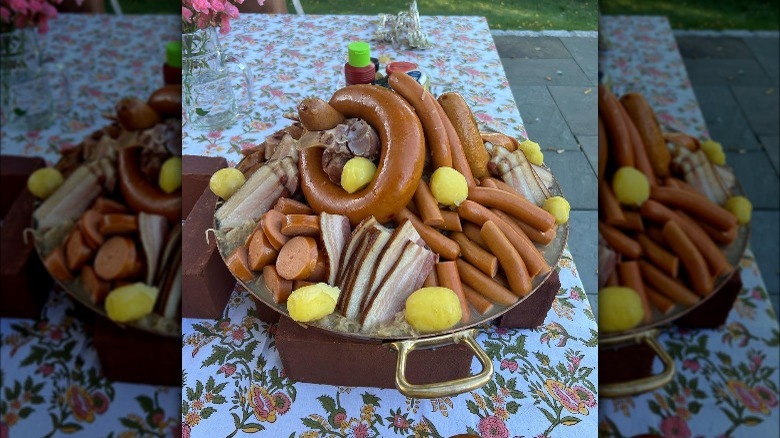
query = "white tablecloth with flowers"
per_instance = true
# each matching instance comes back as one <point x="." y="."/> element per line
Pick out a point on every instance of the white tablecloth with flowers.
<point x="234" y="384"/>
<point x="727" y="379"/>
<point x="51" y="379"/>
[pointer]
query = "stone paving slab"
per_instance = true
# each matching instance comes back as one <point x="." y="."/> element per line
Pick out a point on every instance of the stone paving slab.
<point x="590" y="146"/>
<point x="583" y="243"/>
<point x="582" y="50"/>
<point x="757" y="176"/>
<point x="727" y="72"/>
<point x="544" y="72"/>
<point x="577" y="104"/>
<point x="543" y="119"/>
<point x="767" y="250"/>
<point x="578" y="181"/>
<point x="531" y="48"/>
<point x="772" y="148"/>
<point x="725" y="120"/>
<point x="693" y="47"/>
<point x="761" y="107"/>
<point x="765" y="50"/>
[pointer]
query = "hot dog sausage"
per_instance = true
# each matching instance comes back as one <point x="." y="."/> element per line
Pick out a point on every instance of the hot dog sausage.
<point x="427" y="205"/>
<point x="646" y="124"/>
<point x="90" y="228"/>
<point x="459" y="160"/>
<point x="119" y="224"/>
<point x="617" y="133"/>
<point x="77" y="251"/>
<point x="118" y="259"/>
<point x="96" y="287"/>
<point x="57" y="266"/>
<point x="459" y="113"/>
<point x="657" y="212"/>
<point x="279" y="287"/>
<point x="660" y="257"/>
<point x="696" y="205"/>
<point x="474" y="254"/>
<point x="297" y="258"/>
<point x="668" y="286"/>
<point x="534" y="261"/>
<point x="140" y="194"/>
<point x="482" y="304"/>
<point x="633" y="221"/>
<point x="291" y="206"/>
<point x="447" y="273"/>
<point x="609" y="207"/>
<point x="660" y="302"/>
<point x="423" y="103"/>
<point x="301" y="225"/>
<point x="718" y="236"/>
<point x="400" y="166"/>
<point x="439" y="243"/>
<point x="317" y="115"/>
<point x="485" y="285"/>
<point x="105" y="205"/>
<point x="619" y="241"/>
<point x="638" y="148"/>
<point x="692" y="259"/>
<point x="535" y="235"/>
<point x="513" y="204"/>
<point x="631" y="277"/>
<point x="508" y="257"/>
<point x="472" y="231"/>
<point x="272" y="222"/>
<point x="451" y="221"/>
<point x="261" y="252"/>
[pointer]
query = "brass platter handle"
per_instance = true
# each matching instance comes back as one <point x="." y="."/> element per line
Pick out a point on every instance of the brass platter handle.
<point x="646" y="384"/>
<point x="441" y="389"/>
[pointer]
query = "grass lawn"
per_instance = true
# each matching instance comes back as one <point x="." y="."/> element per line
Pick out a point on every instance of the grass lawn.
<point x="704" y="14"/>
<point x="506" y="14"/>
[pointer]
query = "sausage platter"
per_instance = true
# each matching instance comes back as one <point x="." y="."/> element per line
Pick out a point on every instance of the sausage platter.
<point x="677" y="247"/>
<point x="286" y="191"/>
<point x="108" y="224"/>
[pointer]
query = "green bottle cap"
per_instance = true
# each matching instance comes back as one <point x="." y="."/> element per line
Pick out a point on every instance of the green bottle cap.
<point x="173" y="54"/>
<point x="359" y="54"/>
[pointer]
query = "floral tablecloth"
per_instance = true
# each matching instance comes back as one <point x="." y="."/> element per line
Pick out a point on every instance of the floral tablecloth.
<point x="727" y="379"/>
<point x="105" y="58"/>
<point x="51" y="379"/>
<point x="546" y="379"/>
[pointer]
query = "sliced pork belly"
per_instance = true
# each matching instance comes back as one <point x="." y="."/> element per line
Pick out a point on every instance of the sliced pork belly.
<point x="334" y="230"/>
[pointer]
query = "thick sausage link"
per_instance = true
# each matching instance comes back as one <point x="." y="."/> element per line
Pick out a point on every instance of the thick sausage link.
<point x="400" y="166"/>
<point x="515" y="205"/>
<point x="511" y="262"/>
<point x="693" y="261"/>
<point x="140" y="194"/>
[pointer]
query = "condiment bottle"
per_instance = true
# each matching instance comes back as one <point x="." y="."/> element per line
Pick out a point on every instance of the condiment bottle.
<point x="172" y="67"/>
<point x="359" y="69"/>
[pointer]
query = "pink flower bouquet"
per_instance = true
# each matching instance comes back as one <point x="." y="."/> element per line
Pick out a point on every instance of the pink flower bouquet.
<point x="19" y="14"/>
<point x="200" y="14"/>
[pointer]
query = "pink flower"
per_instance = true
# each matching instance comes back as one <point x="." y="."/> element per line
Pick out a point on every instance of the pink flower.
<point x="186" y="14"/>
<point x="691" y="364"/>
<point x="185" y="430"/>
<point x="400" y="421"/>
<point x="238" y="334"/>
<point x="55" y="334"/>
<point x="359" y="430"/>
<point x="281" y="402"/>
<point x="769" y="397"/>
<point x="228" y="369"/>
<point x="492" y="427"/>
<point x="584" y="395"/>
<point x="339" y="418"/>
<point x="509" y="364"/>
<point x="100" y="401"/>
<point x="675" y="427"/>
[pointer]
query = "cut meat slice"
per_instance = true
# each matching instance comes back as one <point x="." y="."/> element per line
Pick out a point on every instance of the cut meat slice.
<point x="390" y="255"/>
<point x="406" y="276"/>
<point x="358" y="283"/>
<point x="334" y="231"/>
